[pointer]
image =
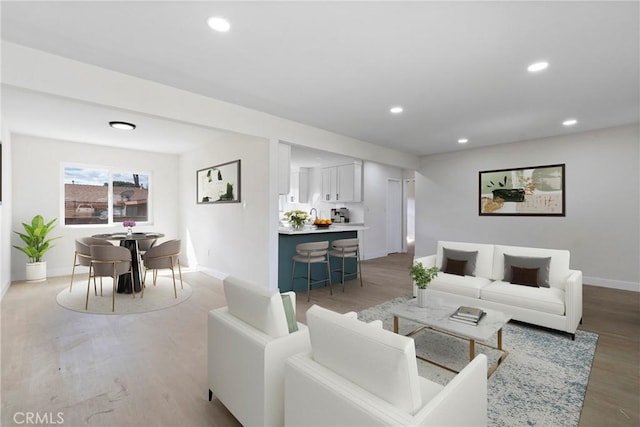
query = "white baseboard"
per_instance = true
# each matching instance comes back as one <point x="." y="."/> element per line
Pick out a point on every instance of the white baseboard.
<point x="373" y="255"/>
<point x="614" y="284"/>
<point x="212" y="272"/>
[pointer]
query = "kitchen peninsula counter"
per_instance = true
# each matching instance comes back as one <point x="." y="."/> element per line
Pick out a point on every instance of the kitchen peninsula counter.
<point x="289" y="238"/>
<point x="331" y="229"/>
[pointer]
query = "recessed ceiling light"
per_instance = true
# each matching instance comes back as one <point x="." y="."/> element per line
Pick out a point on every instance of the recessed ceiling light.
<point x="538" y="66"/>
<point x="463" y="141"/>
<point x="396" y="110"/>
<point x="570" y="122"/>
<point x="219" y="24"/>
<point x="122" y="125"/>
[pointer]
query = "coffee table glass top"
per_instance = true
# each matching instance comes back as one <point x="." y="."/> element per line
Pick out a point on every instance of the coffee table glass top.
<point x="436" y="315"/>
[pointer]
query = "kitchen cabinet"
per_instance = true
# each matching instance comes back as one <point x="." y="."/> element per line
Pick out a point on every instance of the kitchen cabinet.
<point x="299" y="188"/>
<point x="342" y="183"/>
<point x="284" y="168"/>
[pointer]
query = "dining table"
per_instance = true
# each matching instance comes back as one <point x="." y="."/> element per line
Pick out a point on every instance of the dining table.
<point x="130" y="241"/>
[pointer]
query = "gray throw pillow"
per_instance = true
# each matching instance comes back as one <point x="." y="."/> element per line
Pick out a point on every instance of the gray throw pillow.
<point x="469" y="256"/>
<point x="528" y="262"/>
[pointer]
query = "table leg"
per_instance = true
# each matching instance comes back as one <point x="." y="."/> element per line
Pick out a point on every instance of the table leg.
<point x="124" y="281"/>
<point x="472" y="349"/>
<point x="500" y="339"/>
<point x="395" y="324"/>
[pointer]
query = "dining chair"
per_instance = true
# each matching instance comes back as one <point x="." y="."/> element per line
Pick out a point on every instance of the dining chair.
<point x="344" y="249"/>
<point x="109" y="261"/>
<point x="311" y="253"/>
<point x="145" y="244"/>
<point x="82" y="256"/>
<point x="163" y="256"/>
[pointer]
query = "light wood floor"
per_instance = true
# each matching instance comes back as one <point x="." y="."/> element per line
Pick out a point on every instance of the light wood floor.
<point x="150" y="369"/>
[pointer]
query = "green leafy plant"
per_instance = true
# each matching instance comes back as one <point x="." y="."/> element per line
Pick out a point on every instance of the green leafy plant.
<point x="35" y="238"/>
<point x="422" y="276"/>
<point x="297" y="218"/>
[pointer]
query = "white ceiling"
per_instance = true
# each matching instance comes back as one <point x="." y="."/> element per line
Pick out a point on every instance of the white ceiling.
<point x="457" y="68"/>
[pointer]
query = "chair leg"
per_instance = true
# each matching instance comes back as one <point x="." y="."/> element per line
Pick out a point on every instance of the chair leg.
<point x="308" y="281"/>
<point x="155" y="276"/>
<point x="180" y="273"/>
<point x="113" y="294"/>
<point x="173" y="275"/>
<point x="293" y="270"/>
<point x="86" y="304"/>
<point x="329" y="278"/>
<point x="73" y="271"/>
<point x="359" y="267"/>
<point x="342" y="272"/>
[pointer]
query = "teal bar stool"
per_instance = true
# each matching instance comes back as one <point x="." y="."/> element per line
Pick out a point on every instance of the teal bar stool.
<point x="346" y="249"/>
<point x="311" y="253"/>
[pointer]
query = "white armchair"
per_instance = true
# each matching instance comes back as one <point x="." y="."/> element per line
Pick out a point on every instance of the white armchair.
<point x="358" y="375"/>
<point x="248" y="343"/>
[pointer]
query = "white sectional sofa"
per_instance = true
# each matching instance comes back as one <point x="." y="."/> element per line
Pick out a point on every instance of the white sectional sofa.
<point x="556" y="303"/>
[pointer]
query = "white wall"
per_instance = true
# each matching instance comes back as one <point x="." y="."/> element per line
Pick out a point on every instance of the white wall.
<point x="375" y="207"/>
<point x="5" y="214"/>
<point x="231" y="238"/>
<point x="36" y="189"/>
<point x="601" y="227"/>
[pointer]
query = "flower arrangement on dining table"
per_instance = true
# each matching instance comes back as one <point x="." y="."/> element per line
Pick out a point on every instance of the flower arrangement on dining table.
<point x="129" y="225"/>
<point x="297" y="218"/>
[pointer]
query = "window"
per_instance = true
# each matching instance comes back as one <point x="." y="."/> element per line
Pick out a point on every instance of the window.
<point x="103" y="196"/>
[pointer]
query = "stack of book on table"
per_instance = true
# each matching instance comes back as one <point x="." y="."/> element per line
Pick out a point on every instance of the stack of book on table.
<point x="468" y="315"/>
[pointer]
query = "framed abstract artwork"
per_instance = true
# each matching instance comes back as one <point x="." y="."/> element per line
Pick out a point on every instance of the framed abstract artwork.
<point x="219" y="183"/>
<point x="528" y="191"/>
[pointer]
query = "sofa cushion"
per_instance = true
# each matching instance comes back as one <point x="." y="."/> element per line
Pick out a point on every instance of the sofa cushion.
<point x="258" y="306"/>
<point x="558" y="267"/>
<point x="547" y="300"/>
<point x="542" y="264"/>
<point x="525" y="276"/>
<point x="484" y="259"/>
<point x="460" y="285"/>
<point x="454" y="254"/>
<point x="379" y="361"/>
<point x="455" y="266"/>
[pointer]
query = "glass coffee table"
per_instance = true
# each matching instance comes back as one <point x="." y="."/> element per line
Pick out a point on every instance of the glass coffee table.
<point x="436" y="317"/>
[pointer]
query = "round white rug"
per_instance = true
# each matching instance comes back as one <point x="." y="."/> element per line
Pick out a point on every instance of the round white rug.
<point x="156" y="297"/>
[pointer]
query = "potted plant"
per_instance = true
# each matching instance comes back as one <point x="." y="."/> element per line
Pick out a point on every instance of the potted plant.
<point x="422" y="276"/>
<point x="36" y="245"/>
<point x="297" y="218"/>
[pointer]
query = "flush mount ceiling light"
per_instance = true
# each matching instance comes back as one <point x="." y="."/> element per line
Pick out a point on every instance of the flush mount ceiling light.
<point x="396" y="110"/>
<point x="537" y="66"/>
<point x="122" y="125"/>
<point x="463" y="141"/>
<point x="218" y="23"/>
<point x="569" y="122"/>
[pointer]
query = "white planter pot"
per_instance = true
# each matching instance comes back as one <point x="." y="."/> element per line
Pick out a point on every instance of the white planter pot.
<point x="422" y="297"/>
<point x="36" y="271"/>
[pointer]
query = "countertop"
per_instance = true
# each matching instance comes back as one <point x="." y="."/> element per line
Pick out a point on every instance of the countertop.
<point x="312" y="229"/>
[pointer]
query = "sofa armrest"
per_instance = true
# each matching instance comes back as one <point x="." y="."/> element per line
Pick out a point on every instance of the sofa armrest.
<point x="468" y="390"/>
<point x="573" y="300"/>
<point x="428" y="261"/>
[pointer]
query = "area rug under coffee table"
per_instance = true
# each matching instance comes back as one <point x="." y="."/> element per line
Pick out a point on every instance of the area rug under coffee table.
<point x="541" y="383"/>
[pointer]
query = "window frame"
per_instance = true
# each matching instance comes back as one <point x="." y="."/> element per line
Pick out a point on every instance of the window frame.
<point x="111" y="171"/>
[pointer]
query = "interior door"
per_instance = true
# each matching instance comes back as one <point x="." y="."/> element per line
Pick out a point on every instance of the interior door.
<point x="394" y="215"/>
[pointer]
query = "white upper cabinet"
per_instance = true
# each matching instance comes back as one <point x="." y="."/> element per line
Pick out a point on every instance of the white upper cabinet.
<point x="342" y="183"/>
<point x="284" y="168"/>
<point x="299" y="188"/>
